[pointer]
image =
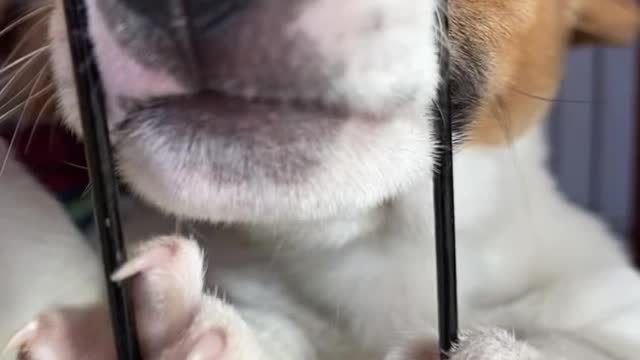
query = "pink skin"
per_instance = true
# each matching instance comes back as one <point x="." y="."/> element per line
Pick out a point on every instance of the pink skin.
<point x="121" y="74"/>
<point x="170" y="308"/>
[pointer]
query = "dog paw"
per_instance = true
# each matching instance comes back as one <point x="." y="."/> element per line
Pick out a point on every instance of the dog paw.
<point x="493" y="344"/>
<point x="176" y="319"/>
<point x="490" y="344"/>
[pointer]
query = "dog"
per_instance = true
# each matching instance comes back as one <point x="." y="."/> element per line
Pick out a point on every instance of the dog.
<point x="299" y="135"/>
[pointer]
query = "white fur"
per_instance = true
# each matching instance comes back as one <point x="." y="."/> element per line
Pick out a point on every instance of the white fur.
<point x="373" y="68"/>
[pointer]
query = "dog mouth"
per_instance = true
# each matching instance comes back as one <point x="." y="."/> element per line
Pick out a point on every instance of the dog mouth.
<point x="270" y="121"/>
<point x="236" y="138"/>
<point x="230" y="114"/>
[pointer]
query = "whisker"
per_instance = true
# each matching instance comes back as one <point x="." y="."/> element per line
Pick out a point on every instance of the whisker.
<point x="24" y="39"/>
<point x="10" y="112"/>
<point x="28" y="57"/>
<point x="24" y="19"/>
<point x="8" y="154"/>
<point x="30" y="97"/>
<point x="87" y="190"/>
<point x="16" y="108"/>
<point x="77" y="166"/>
<point x="25" y="106"/>
<point x="37" y="121"/>
<point x="542" y="98"/>
<point x="16" y="76"/>
<point x="17" y="95"/>
<point x="36" y="83"/>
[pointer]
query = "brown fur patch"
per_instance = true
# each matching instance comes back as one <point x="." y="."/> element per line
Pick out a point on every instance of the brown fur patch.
<point x="26" y="87"/>
<point x="525" y="43"/>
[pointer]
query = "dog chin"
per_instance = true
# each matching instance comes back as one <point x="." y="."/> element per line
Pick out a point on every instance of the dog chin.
<point x="363" y="167"/>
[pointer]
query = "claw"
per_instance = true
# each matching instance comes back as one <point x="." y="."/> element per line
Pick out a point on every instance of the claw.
<point x="151" y="257"/>
<point x="22" y="337"/>
<point x="167" y="281"/>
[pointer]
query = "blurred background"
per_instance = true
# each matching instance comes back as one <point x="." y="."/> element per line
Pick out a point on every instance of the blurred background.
<point x="593" y="135"/>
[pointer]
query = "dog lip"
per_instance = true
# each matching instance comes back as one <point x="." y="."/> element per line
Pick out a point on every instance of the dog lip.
<point x="232" y="138"/>
<point x="221" y="115"/>
<point x="228" y="99"/>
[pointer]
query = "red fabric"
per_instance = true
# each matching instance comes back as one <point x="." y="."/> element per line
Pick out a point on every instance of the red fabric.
<point x="54" y="156"/>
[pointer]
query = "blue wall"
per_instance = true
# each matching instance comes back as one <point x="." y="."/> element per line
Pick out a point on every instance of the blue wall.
<point x="593" y="139"/>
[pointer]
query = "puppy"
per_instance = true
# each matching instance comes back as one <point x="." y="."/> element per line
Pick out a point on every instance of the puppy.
<point x="306" y="128"/>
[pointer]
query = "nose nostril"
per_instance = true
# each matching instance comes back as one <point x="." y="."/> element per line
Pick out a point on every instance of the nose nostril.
<point x="199" y="14"/>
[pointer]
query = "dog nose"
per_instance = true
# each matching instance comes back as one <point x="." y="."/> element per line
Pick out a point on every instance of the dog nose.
<point x="181" y="37"/>
<point x="197" y="15"/>
<point x="243" y="48"/>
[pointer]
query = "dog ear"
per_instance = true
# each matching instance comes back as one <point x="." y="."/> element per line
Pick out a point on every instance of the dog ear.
<point x="615" y="22"/>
